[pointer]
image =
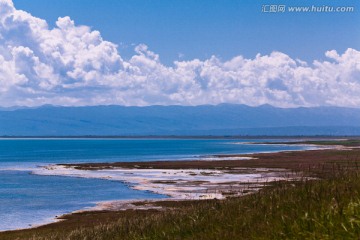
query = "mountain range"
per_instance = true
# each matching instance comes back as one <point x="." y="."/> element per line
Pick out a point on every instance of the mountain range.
<point x="219" y="120"/>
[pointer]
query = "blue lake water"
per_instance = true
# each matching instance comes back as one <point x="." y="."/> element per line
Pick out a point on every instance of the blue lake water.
<point x="27" y="199"/>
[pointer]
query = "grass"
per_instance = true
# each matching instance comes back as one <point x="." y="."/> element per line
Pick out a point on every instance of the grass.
<point x="327" y="207"/>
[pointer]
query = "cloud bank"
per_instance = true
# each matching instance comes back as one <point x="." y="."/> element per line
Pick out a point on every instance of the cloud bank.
<point x="72" y="65"/>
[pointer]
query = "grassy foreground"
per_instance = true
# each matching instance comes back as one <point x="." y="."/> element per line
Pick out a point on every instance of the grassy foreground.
<point x="323" y="208"/>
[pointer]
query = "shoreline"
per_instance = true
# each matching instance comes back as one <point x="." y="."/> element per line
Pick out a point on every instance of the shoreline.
<point x="51" y="219"/>
<point x="239" y="166"/>
<point x="201" y="162"/>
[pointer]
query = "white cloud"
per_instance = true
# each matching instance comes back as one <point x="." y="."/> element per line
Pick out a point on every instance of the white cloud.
<point x="73" y="65"/>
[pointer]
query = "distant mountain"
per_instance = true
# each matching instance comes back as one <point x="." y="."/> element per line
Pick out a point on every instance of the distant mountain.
<point x="224" y="119"/>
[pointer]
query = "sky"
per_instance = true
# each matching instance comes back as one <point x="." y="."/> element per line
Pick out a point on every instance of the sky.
<point x="178" y="52"/>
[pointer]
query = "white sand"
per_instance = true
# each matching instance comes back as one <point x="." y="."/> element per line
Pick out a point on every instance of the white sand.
<point x="177" y="183"/>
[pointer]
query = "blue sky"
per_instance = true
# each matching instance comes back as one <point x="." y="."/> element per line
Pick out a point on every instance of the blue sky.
<point x="178" y="52"/>
<point x="201" y="28"/>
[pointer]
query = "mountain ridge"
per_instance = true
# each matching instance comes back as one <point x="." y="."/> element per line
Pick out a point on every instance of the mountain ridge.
<point x="223" y="119"/>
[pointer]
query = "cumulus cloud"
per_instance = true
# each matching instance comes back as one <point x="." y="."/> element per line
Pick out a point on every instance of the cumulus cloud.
<point x="74" y="65"/>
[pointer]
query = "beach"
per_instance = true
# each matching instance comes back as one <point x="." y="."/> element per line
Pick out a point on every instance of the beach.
<point x="51" y="188"/>
<point x="183" y="182"/>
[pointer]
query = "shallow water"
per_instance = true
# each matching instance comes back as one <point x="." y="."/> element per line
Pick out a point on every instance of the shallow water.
<point x="27" y="199"/>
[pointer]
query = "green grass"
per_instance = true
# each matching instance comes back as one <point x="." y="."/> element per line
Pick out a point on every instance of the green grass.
<point x="308" y="209"/>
